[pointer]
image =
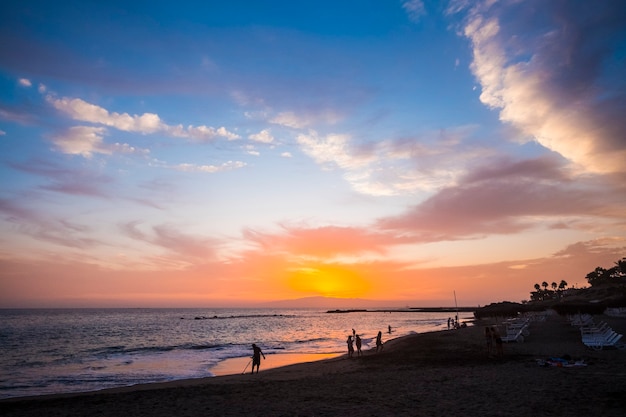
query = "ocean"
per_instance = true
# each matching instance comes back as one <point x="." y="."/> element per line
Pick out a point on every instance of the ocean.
<point x="49" y="351"/>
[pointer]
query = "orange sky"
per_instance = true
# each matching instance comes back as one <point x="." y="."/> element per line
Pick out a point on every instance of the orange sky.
<point x="262" y="277"/>
<point x="233" y="154"/>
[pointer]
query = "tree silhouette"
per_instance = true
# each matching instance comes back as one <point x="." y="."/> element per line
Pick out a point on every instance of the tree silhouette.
<point x="620" y="268"/>
<point x="597" y="276"/>
<point x="616" y="274"/>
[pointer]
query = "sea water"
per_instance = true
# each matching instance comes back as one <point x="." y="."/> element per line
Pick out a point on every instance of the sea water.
<point x="75" y="350"/>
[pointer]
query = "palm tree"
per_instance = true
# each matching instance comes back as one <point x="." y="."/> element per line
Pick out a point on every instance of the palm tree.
<point x="536" y="295"/>
<point x="553" y="285"/>
<point x="544" y="285"/>
<point x="562" y="285"/>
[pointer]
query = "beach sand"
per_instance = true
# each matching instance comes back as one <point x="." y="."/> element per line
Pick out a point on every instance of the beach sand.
<point x="445" y="373"/>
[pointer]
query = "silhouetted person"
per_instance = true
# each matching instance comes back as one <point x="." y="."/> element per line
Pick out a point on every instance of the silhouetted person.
<point x="358" y="346"/>
<point x="488" y="340"/>
<point x="379" y="342"/>
<point x="350" y="343"/>
<point x="389" y="329"/>
<point x="256" y="357"/>
<point x="498" y="341"/>
<point x="449" y="322"/>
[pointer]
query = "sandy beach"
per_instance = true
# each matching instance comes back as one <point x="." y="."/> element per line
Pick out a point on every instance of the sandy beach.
<point x="445" y="373"/>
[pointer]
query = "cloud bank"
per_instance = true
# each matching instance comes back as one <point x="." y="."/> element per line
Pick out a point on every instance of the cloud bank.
<point x="555" y="71"/>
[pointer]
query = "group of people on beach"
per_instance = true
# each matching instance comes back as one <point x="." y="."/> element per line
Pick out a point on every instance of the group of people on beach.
<point x="355" y="338"/>
<point x="493" y="341"/>
<point x="352" y="339"/>
<point x="453" y="323"/>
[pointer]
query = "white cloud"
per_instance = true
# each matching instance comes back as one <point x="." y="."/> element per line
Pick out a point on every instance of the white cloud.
<point x="305" y="119"/>
<point x="391" y="167"/>
<point x="290" y="119"/>
<point x="88" y="140"/>
<point x="546" y="84"/>
<point x="81" y="110"/>
<point x="2" y="132"/>
<point x="202" y="133"/>
<point x="226" y="166"/>
<point x="126" y="148"/>
<point x="250" y="150"/>
<point x="286" y="155"/>
<point x="415" y="9"/>
<point x="146" y="123"/>
<point x="332" y="149"/>
<point x="25" y="82"/>
<point x="82" y="140"/>
<point x="264" y="136"/>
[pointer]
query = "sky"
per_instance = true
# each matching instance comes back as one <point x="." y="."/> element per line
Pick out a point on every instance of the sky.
<point x="211" y="154"/>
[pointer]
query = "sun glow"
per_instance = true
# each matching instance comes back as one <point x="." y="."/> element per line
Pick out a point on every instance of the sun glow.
<point x="329" y="281"/>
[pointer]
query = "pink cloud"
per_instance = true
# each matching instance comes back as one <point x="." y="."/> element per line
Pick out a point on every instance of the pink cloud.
<point x="66" y="180"/>
<point x="46" y="228"/>
<point x="167" y="237"/>
<point x="322" y="241"/>
<point x="502" y="199"/>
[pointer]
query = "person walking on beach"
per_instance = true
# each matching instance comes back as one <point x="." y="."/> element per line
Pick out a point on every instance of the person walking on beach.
<point x="350" y="343"/>
<point x="256" y="357"/>
<point x="358" y="346"/>
<point x="379" y="342"/>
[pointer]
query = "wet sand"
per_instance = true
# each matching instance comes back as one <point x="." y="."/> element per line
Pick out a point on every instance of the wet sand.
<point x="444" y="373"/>
<point x="235" y="366"/>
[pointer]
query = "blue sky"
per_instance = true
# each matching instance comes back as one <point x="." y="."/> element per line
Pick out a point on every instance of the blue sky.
<point x="220" y="153"/>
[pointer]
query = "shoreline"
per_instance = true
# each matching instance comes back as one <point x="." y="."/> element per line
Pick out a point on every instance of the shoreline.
<point x="230" y="367"/>
<point x="127" y="360"/>
<point x="434" y="373"/>
<point x="237" y="366"/>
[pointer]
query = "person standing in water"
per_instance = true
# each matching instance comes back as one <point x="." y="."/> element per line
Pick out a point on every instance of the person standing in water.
<point x="379" y="342"/>
<point x="358" y="346"/>
<point x="256" y="357"/>
<point x="350" y="343"/>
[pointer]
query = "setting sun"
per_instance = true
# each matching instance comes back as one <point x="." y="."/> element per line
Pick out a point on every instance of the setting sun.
<point x="329" y="281"/>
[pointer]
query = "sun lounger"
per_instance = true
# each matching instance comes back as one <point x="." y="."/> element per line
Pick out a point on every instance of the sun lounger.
<point x="581" y="320"/>
<point x="600" y="343"/>
<point x="616" y="312"/>
<point x="597" y="338"/>
<point x="514" y="334"/>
